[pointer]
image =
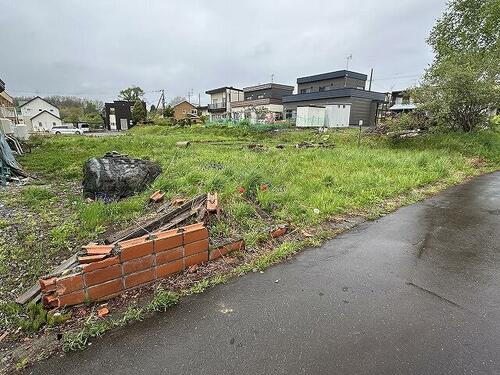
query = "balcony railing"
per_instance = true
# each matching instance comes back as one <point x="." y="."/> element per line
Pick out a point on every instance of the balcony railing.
<point x="221" y="105"/>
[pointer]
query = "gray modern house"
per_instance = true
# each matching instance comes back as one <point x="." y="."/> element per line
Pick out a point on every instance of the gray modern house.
<point x="344" y="89"/>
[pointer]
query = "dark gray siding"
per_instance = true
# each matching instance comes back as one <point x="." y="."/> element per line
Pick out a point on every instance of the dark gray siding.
<point x="336" y="83"/>
<point x="275" y="93"/>
<point x="361" y="108"/>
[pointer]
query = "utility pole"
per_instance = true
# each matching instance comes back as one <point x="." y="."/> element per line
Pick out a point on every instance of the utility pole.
<point x="272" y="78"/>
<point x="199" y="100"/>
<point x="371" y="77"/>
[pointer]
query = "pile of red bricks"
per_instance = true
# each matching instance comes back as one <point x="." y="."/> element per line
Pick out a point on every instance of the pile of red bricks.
<point x="108" y="270"/>
<point x="104" y="271"/>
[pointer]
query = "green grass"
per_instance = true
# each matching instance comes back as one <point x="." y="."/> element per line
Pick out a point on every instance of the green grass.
<point x="303" y="187"/>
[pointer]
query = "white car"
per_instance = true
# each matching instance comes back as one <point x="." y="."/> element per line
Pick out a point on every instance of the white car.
<point x="65" y="129"/>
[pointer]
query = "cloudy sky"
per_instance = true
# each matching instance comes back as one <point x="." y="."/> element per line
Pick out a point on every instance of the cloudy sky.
<point x="94" y="48"/>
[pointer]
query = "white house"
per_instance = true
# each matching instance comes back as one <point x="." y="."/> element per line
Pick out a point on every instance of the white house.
<point x="39" y="115"/>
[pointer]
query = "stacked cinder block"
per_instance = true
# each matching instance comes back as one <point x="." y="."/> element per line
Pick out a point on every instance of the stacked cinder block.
<point x="108" y="270"/>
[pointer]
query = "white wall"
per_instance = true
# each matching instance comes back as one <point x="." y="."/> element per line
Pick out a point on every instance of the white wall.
<point x="36" y="106"/>
<point x="44" y="122"/>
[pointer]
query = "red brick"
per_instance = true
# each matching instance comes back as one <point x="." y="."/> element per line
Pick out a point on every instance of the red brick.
<point x="103" y="274"/>
<point x="92" y="249"/>
<point x="195" y="232"/>
<point x="195" y="247"/>
<point x="48" y="285"/>
<point x="90" y="258"/>
<point x="105" y="290"/>
<point x="138" y="264"/>
<point x="212" y="202"/>
<point x="101" y="264"/>
<point x="139" y="278"/>
<point x="71" y="299"/>
<point x="157" y="196"/>
<point x="169" y="255"/>
<point x="69" y="284"/>
<point x="167" y="240"/>
<point x="50" y="300"/>
<point x="223" y="250"/>
<point x="168" y="269"/>
<point x="196" y="259"/>
<point x="278" y="232"/>
<point x="135" y="248"/>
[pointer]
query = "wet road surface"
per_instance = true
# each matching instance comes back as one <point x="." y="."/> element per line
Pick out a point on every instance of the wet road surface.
<point x="416" y="292"/>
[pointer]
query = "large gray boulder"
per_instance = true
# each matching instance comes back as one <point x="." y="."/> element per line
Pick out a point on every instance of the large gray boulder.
<point x="116" y="176"/>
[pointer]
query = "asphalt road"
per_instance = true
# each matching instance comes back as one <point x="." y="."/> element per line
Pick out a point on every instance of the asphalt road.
<point x="416" y="292"/>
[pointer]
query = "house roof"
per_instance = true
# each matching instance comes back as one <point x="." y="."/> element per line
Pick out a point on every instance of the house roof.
<point x="214" y="91"/>
<point x="338" y="93"/>
<point x="37" y="97"/>
<point x="268" y="86"/>
<point x="184" y="101"/>
<point x="38" y="114"/>
<point x="332" y="75"/>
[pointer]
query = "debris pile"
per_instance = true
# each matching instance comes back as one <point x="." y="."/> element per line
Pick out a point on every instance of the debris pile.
<point x="103" y="271"/>
<point x="138" y="255"/>
<point x="117" y="176"/>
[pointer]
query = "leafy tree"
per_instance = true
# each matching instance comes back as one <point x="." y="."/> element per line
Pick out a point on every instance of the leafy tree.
<point x="131" y="94"/>
<point x="152" y="109"/>
<point x="463" y="81"/>
<point x="176" y="100"/>
<point x="139" y="112"/>
<point x="168" y="111"/>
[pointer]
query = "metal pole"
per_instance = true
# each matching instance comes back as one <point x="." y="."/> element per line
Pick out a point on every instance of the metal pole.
<point x="371" y="77"/>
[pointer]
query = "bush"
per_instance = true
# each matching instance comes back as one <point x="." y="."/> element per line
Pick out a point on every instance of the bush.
<point x="408" y="121"/>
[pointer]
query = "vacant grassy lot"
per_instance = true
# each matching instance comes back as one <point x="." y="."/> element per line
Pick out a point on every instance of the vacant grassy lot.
<point x="43" y="223"/>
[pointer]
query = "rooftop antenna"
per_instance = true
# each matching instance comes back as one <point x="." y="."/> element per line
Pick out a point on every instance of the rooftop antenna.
<point x="347" y="61"/>
<point x="347" y="68"/>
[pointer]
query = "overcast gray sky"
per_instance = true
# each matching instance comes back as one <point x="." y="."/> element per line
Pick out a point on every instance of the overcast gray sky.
<point x="94" y="48"/>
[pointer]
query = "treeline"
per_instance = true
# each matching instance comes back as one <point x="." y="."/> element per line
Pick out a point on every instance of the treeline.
<point x="74" y="109"/>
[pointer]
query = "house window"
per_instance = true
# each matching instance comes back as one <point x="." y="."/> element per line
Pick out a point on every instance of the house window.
<point x="112" y="110"/>
<point x="322" y="88"/>
<point x="40" y="124"/>
<point x="53" y="124"/>
<point x="40" y="109"/>
<point x="51" y="110"/>
<point x="194" y="111"/>
<point x="260" y="96"/>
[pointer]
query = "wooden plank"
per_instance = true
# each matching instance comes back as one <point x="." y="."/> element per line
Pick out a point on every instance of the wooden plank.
<point x="154" y="224"/>
<point x="32" y="292"/>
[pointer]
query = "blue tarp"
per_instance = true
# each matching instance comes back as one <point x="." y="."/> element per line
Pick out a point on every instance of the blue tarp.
<point x="7" y="157"/>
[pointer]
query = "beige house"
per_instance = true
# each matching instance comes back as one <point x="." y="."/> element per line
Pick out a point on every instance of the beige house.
<point x="221" y="101"/>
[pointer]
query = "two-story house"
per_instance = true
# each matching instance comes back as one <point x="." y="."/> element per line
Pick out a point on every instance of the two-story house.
<point x="261" y="103"/>
<point x="341" y="93"/>
<point x="184" y="110"/>
<point x="221" y="100"/>
<point x="39" y="115"/>
<point x="118" y="115"/>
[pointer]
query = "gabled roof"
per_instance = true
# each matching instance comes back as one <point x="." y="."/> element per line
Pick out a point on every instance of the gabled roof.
<point x="38" y="114"/>
<point x="184" y="101"/>
<point x="332" y="75"/>
<point x="37" y="97"/>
